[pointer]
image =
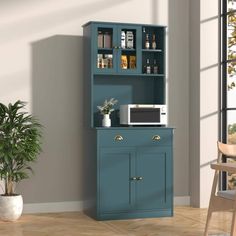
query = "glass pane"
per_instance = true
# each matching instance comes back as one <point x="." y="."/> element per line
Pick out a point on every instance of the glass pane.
<point x="231" y="36"/>
<point x="231" y="139"/>
<point x="105" y="50"/>
<point x="231" y="5"/>
<point x="231" y="178"/>
<point x="231" y="127"/>
<point x="128" y="49"/>
<point x="231" y="55"/>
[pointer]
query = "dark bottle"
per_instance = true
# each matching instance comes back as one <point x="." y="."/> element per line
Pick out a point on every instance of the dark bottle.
<point x="148" y="67"/>
<point x="155" y="67"/>
<point x="154" y="45"/>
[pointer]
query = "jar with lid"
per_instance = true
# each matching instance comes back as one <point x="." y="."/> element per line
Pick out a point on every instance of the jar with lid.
<point x="100" y="39"/>
<point x="107" y="40"/>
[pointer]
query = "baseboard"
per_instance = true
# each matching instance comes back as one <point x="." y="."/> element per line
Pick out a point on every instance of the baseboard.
<point x="182" y="201"/>
<point x="56" y="206"/>
<point x="80" y="205"/>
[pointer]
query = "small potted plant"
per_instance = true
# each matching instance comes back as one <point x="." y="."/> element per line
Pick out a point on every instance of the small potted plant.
<point x="106" y="109"/>
<point x="20" y="135"/>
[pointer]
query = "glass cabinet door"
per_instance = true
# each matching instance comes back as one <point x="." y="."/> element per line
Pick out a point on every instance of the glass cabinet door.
<point x="117" y="49"/>
<point x="129" y="50"/>
<point x="104" y="48"/>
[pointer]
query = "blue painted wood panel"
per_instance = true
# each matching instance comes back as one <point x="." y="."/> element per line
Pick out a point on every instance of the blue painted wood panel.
<point x="116" y="168"/>
<point x="135" y="137"/>
<point x="154" y="190"/>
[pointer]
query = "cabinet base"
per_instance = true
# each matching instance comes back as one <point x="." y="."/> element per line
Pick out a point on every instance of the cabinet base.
<point x="135" y="215"/>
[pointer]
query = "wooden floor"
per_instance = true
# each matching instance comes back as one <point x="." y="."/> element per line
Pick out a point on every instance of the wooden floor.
<point x="186" y="221"/>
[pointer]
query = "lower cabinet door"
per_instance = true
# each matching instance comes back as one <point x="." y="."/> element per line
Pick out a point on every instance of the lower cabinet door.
<point x="154" y="178"/>
<point x="115" y="185"/>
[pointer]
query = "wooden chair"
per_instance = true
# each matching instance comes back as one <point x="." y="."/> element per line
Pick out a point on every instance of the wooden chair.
<point x="223" y="200"/>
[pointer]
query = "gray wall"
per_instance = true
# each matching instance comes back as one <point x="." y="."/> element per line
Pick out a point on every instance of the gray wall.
<point x="46" y="69"/>
<point x="194" y="104"/>
<point x="178" y="83"/>
<point x="58" y="102"/>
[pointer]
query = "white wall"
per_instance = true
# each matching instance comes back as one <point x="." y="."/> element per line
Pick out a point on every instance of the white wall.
<point x="204" y="97"/>
<point x="41" y="63"/>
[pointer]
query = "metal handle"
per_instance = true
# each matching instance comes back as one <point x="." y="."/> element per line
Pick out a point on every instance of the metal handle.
<point x="133" y="178"/>
<point x="139" y="178"/>
<point x="156" y="138"/>
<point x="118" y="138"/>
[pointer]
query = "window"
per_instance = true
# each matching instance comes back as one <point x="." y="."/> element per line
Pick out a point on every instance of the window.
<point x="228" y="74"/>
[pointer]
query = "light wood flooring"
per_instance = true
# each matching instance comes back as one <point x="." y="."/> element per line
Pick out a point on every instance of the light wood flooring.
<point x="186" y="222"/>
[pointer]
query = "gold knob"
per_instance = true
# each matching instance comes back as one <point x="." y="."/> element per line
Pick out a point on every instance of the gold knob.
<point x="118" y="138"/>
<point x="139" y="178"/>
<point x="156" y="138"/>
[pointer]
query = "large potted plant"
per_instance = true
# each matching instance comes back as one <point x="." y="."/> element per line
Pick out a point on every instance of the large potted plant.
<point x="20" y="135"/>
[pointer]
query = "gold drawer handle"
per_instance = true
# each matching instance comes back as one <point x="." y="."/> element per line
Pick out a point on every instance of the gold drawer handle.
<point x="156" y="138"/>
<point x="118" y="138"/>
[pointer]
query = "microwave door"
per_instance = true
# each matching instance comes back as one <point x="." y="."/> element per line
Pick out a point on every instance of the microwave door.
<point x="145" y="115"/>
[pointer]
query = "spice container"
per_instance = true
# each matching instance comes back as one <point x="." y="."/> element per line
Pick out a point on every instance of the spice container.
<point x="124" y="62"/>
<point x="132" y="62"/>
<point x="123" y="40"/>
<point x="129" y="39"/>
<point x="100" y="39"/>
<point x="107" y="40"/>
<point x="99" y="60"/>
<point x="109" y="60"/>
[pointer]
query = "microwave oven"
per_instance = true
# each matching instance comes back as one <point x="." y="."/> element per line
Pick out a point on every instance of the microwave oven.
<point x="143" y="114"/>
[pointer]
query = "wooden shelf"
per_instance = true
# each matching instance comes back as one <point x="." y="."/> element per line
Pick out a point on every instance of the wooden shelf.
<point x="151" y="50"/>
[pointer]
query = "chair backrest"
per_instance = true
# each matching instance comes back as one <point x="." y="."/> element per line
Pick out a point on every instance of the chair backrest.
<point x="228" y="150"/>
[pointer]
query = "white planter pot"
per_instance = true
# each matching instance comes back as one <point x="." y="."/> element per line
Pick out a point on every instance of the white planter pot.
<point x="11" y="207"/>
<point x="106" y="121"/>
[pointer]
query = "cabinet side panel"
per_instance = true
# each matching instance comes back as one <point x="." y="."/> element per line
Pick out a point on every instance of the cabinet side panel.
<point x="88" y="88"/>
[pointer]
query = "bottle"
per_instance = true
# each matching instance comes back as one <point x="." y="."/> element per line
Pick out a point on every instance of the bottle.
<point x="155" y="67"/>
<point x="147" y="44"/>
<point x="129" y="39"/>
<point x="148" y="67"/>
<point x="154" y="45"/>
<point x="123" y="39"/>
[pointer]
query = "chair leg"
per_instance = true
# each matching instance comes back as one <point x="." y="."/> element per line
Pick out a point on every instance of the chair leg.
<point x="233" y="225"/>
<point x="209" y="214"/>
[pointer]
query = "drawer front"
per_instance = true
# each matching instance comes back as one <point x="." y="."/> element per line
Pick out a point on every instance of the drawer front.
<point x="121" y="137"/>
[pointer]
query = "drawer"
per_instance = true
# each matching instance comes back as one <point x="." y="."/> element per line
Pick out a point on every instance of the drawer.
<point x="134" y="137"/>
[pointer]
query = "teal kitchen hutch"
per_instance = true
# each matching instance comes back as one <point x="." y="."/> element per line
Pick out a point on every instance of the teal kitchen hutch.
<point x="134" y="164"/>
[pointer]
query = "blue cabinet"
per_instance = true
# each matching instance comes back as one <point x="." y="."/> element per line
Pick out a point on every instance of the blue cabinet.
<point x="134" y="165"/>
<point x="134" y="174"/>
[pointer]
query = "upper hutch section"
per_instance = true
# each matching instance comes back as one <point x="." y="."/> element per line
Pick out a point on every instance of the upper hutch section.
<point x="125" y="48"/>
<point x="126" y="62"/>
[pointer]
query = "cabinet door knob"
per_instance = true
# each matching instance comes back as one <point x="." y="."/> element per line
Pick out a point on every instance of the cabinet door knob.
<point x="118" y="138"/>
<point x="156" y="138"/>
<point x="139" y="178"/>
<point x="133" y="178"/>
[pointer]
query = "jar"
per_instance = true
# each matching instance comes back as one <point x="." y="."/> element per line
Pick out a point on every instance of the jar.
<point x="100" y="39"/>
<point x="107" y="40"/>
